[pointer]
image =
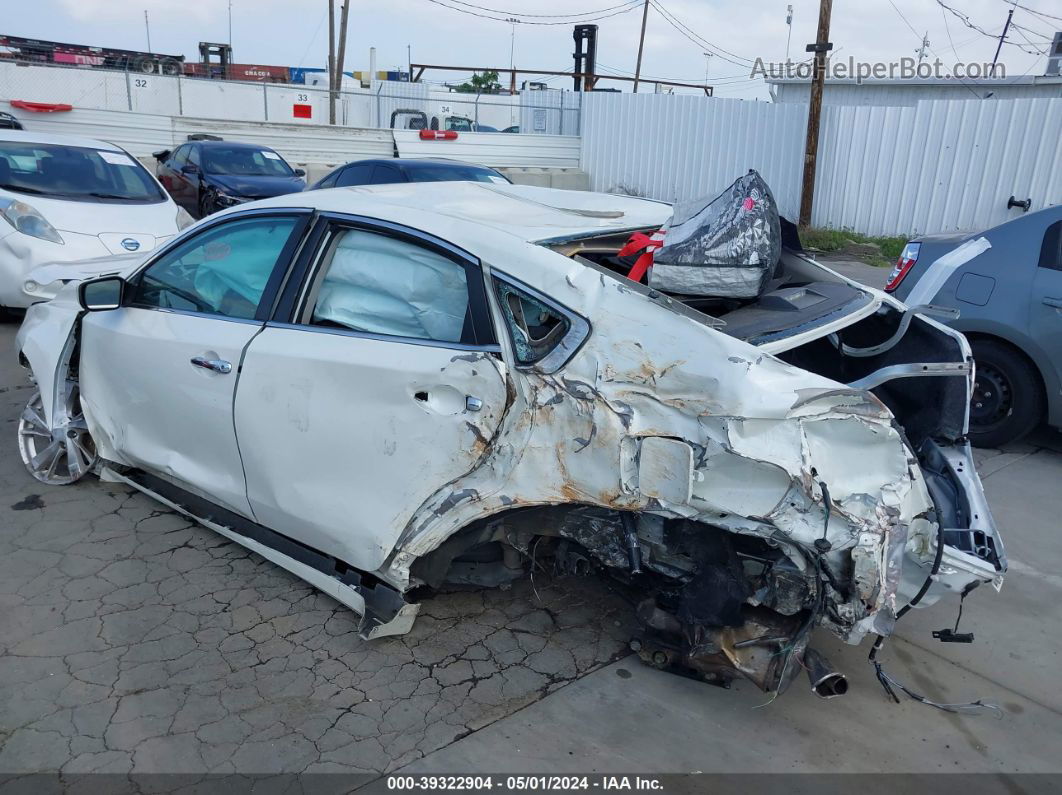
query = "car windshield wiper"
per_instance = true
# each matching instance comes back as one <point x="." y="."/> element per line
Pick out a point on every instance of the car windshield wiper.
<point x="22" y="189"/>
<point x="101" y="195"/>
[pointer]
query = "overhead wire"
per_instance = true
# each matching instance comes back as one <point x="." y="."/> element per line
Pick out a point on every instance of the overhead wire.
<point x="699" y="40"/>
<point x="623" y="9"/>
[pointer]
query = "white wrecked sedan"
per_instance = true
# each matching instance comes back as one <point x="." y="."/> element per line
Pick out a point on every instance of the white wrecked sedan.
<point x="388" y="389"/>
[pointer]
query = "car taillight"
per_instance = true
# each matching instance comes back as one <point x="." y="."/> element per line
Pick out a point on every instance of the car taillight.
<point x="908" y="257"/>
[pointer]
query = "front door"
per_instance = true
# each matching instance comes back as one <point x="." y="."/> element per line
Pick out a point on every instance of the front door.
<point x="159" y="374"/>
<point x="386" y="387"/>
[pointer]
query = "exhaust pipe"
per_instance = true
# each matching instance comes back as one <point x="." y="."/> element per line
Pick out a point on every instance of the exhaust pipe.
<point x="826" y="681"/>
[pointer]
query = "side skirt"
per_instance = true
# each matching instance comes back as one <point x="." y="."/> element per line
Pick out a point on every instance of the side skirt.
<point x="382" y="608"/>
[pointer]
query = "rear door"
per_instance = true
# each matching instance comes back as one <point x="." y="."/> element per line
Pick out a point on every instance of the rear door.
<point x="379" y="386"/>
<point x="159" y="374"/>
<point x="1045" y="305"/>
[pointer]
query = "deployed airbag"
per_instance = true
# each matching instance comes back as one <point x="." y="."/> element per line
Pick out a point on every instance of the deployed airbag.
<point x="726" y="248"/>
<point x="387" y="286"/>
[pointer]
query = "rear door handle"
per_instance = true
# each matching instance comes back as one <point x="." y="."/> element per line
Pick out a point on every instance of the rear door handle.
<point x="217" y="365"/>
<point x="1055" y="302"/>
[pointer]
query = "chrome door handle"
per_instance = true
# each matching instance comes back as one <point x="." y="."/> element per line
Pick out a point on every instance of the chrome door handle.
<point x="473" y="403"/>
<point x="1055" y="302"/>
<point x="217" y="365"/>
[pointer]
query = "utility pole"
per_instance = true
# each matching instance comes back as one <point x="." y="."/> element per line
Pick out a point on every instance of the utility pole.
<point x="789" y="35"/>
<point x="922" y="50"/>
<point x="999" y="46"/>
<point x="641" y="45"/>
<point x="230" y="23"/>
<point x="409" y="63"/>
<point x="707" y="60"/>
<point x="512" y="54"/>
<point x="342" y="45"/>
<point x="147" y="27"/>
<point x="332" y="62"/>
<point x="821" y="46"/>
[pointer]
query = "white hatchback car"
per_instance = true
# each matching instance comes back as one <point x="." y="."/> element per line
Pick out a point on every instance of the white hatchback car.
<point x="65" y="199"/>
<point x="385" y="389"/>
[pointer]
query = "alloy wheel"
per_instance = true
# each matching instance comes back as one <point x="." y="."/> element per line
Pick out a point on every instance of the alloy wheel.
<point x="56" y="456"/>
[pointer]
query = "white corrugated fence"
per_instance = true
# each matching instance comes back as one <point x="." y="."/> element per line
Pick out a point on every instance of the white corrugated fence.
<point x="941" y="166"/>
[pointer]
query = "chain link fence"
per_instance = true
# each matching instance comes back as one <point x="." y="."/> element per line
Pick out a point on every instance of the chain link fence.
<point x="384" y="104"/>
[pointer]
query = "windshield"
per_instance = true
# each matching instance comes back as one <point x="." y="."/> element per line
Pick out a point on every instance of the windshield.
<point x="75" y="172"/>
<point x="244" y="162"/>
<point x="444" y="172"/>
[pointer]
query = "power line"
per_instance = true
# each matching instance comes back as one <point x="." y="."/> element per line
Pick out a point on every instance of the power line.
<point x="916" y="33"/>
<point x="552" y="16"/>
<point x="965" y="19"/>
<point x="1034" y="11"/>
<point x="698" y="40"/>
<point x="623" y="10"/>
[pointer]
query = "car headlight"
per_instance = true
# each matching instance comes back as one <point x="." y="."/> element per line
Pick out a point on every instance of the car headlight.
<point x="184" y="220"/>
<point x="226" y="200"/>
<point x="27" y="220"/>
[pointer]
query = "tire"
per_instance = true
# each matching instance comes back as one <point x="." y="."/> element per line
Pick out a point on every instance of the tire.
<point x="203" y="205"/>
<point x="1008" y="396"/>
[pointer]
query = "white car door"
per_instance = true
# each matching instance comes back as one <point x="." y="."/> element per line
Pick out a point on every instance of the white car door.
<point x="158" y="374"/>
<point x="386" y="387"/>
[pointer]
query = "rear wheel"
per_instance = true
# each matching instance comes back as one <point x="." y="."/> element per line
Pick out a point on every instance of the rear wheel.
<point x="61" y="455"/>
<point x="1008" y="399"/>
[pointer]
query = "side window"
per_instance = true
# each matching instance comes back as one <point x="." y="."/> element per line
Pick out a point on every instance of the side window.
<point x="223" y="271"/>
<point x="543" y="333"/>
<point x="1051" y="250"/>
<point x="193" y="156"/>
<point x="180" y="157"/>
<point x="386" y="175"/>
<point x="329" y="181"/>
<point x="385" y="285"/>
<point x="355" y="175"/>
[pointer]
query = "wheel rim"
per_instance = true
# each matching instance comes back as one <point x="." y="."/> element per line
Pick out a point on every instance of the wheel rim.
<point x="992" y="398"/>
<point x="56" y="456"/>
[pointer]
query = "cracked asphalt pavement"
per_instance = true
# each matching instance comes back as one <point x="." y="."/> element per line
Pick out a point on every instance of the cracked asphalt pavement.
<point x="134" y="640"/>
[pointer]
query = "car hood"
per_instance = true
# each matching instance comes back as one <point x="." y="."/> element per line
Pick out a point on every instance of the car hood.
<point x="95" y="218"/>
<point x="256" y="187"/>
<point x="121" y="265"/>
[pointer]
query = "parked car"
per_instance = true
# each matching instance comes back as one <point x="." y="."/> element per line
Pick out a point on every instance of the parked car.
<point x="390" y="389"/>
<point x="9" y="122"/>
<point x="1009" y="303"/>
<point x="205" y="176"/>
<point x="391" y="170"/>
<point x="515" y="128"/>
<point x="64" y="199"/>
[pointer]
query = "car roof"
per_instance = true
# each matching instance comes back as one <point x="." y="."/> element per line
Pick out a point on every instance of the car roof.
<point x="467" y="213"/>
<point x="228" y="145"/>
<point x="33" y="137"/>
<point x="414" y="162"/>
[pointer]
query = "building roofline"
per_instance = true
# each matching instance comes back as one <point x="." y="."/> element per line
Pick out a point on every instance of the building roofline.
<point x="994" y="82"/>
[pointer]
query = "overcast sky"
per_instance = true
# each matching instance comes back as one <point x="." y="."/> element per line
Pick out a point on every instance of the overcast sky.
<point x="295" y="32"/>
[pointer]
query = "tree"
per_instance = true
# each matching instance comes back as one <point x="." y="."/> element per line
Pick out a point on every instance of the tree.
<point x="481" y="83"/>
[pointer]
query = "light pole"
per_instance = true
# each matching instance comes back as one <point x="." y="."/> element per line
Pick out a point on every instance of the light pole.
<point x="789" y="35"/>
<point x="230" y="25"/>
<point x="707" y="60"/>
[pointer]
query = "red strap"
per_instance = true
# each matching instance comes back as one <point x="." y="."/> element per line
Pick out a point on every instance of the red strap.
<point x="40" y="107"/>
<point x="646" y="244"/>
